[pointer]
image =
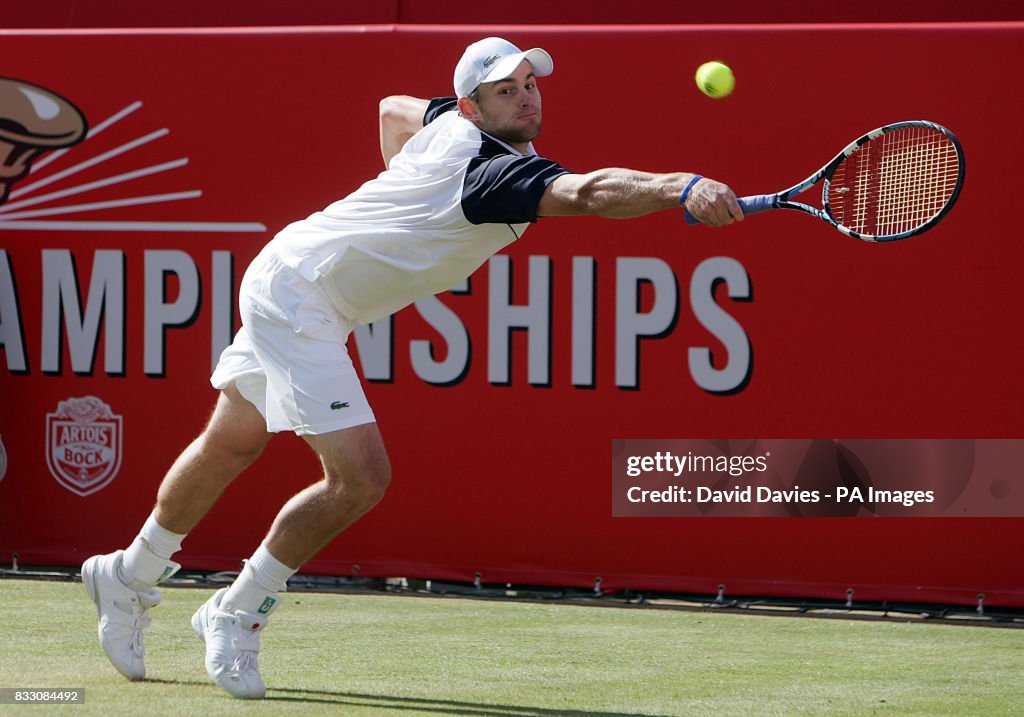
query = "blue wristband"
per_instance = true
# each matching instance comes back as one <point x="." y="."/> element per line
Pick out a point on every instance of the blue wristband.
<point x="686" y="192"/>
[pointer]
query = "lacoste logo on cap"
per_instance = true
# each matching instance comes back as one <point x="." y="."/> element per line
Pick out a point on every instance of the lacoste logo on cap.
<point x="491" y="60"/>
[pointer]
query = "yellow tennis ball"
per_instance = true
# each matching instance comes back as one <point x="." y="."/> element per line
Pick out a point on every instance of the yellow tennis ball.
<point x="715" y="79"/>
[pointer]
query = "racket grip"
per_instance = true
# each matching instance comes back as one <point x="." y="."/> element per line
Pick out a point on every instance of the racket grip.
<point x="756" y="203"/>
<point x="750" y="205"/>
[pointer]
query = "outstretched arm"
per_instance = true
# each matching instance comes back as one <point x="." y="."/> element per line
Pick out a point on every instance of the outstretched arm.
<point x="623" y="193"/>
<point x="401" y="116"/>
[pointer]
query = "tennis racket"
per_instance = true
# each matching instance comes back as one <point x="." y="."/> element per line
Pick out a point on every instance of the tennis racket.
<point x="894" y="182"/>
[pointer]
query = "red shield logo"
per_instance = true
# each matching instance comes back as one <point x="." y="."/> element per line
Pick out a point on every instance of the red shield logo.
<point x="83" y="444"/>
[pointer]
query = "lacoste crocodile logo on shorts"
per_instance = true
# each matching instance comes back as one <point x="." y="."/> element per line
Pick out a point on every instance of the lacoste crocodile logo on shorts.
<point x="339" y="404"/>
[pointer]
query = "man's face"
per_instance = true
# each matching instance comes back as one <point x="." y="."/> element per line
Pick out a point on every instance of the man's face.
<point x="509" y="109"/>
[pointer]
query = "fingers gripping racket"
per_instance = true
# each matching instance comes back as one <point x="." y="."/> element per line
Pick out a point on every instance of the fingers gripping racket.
<point x="894" y="182"/>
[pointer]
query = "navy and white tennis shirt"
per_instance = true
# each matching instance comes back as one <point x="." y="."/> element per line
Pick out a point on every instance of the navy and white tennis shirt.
<point x="451" y="198"/>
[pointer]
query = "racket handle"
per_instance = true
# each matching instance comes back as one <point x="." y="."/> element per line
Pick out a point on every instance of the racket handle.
<point x="757" y="203"/>
<point x="750" y="205"/>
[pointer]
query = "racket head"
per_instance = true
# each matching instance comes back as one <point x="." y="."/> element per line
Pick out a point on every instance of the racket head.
<point x="895" y="182"/>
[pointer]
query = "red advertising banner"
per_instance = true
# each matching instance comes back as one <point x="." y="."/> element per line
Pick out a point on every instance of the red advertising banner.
<point x="144" y="169"/>
<point x="63" y="14"/>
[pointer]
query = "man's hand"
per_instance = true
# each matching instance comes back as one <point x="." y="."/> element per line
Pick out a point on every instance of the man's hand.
<point x="713" y="203"/>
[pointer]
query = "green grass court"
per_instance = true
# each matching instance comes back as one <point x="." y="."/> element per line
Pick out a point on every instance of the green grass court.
<point x="381" y="654"/>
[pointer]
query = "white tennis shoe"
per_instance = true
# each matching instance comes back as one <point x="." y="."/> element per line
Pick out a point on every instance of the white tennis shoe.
<point x="232" y="645"/>
<point x="123" y="612"/>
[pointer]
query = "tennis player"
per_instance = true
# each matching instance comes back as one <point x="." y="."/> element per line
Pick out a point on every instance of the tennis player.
<point x="462" y="181"/>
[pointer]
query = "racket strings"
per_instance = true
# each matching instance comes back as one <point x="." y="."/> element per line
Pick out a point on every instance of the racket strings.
<point x="896" y="182"/>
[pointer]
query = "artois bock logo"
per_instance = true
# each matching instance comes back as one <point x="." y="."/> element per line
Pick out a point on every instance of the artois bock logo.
<point x="83" y="444"/>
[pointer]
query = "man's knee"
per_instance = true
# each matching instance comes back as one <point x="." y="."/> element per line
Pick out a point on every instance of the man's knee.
<point x="356" y="466"/>
<point x="363" y="481"/>
<point x="236" y="432"/>
<point x="238" y="450"/>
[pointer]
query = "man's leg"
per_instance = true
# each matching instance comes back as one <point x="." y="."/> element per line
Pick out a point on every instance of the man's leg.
<point x="122" y="584"/>
<point x="233" y="439"/>
<point x="356" y="473"/>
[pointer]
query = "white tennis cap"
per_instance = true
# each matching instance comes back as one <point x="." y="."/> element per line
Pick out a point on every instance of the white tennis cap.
<point x="493" y="59"/>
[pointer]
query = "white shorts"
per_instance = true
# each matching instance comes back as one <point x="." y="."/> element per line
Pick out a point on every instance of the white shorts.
<point x="289" y="358"/>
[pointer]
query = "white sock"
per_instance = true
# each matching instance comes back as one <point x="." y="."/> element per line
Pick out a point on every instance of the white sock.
<point x="147" y="560"/>
<point x="161" y="541"/>
<point x="256" y="588"/>
<point x="270" y="571"/>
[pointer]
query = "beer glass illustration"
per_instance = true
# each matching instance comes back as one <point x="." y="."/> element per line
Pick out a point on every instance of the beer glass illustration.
<point x="33" y="120"/>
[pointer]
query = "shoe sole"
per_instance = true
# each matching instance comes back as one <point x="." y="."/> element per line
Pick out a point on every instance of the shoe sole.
<point x="197" y="622"/>
<point x="197" y="627"/>
<point x="89" y="581"/>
